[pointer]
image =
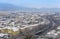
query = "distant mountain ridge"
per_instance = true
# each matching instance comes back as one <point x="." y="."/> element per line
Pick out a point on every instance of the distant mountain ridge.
<point x="5" y="7"/>
<point x="10" y="7"/>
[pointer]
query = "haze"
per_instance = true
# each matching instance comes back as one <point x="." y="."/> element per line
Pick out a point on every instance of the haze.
<point x="34" y="3"/>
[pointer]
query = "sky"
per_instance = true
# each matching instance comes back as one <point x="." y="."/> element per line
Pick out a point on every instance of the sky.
<point x="34" y="3"/>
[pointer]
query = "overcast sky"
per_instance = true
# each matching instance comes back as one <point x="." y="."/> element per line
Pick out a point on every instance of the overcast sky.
<point x="34" y="3"/>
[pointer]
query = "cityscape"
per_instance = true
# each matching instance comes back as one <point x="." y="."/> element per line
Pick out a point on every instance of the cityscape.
<point x="25" y="25"/>
<point x="29" y="19"/>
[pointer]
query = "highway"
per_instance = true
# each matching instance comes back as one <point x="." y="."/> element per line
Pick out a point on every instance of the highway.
<point x="52" y="26"/>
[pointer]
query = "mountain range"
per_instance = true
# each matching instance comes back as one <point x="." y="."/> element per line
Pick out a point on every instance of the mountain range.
<point x="10" y="7"/>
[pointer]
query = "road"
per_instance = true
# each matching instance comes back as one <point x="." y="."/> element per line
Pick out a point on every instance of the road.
<point x="52" y="26"/>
